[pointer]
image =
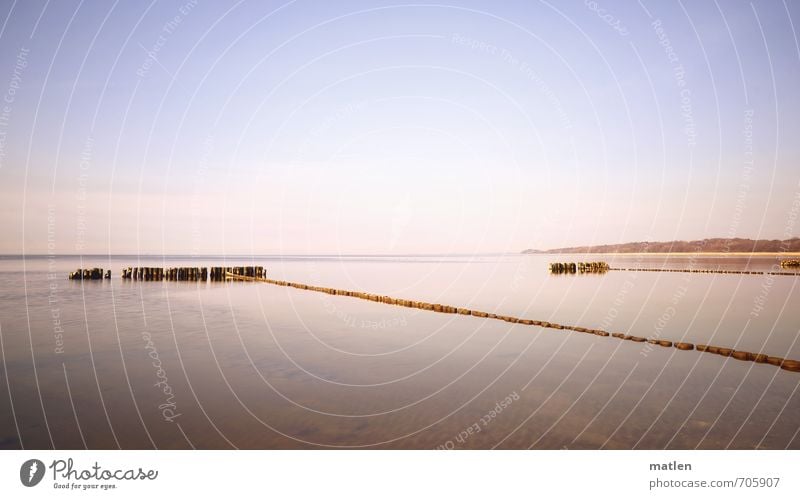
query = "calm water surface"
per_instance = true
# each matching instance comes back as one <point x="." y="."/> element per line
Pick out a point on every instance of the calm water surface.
<point x="110" y="364"/>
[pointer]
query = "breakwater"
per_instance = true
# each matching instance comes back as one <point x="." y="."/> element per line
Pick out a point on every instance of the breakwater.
<point x="576" y="267"/>
<point x="191" y="273"/>
<point x="758" y="357"/>
<point x="706" y="271"/>
<point x="603" y="267"/>
<point x="195" y="274"/>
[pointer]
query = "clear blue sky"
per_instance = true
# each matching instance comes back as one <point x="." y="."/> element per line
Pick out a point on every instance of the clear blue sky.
<point x="379" y="127"/>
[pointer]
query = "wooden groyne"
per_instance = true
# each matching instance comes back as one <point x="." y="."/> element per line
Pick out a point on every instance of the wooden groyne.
<point x="575" y="267"/>
<point x="603" y="267"/>
<point x="89" y="274"/>
<point x="706" y="271"/>
<point x="193" y="274"/>
<point x="787" y="364"/>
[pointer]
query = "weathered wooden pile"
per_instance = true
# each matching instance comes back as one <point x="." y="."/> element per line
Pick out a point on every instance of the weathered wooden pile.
<point x="582" y="267"/>
<point x="89" y="274"/>
<point x="787" y="364"/>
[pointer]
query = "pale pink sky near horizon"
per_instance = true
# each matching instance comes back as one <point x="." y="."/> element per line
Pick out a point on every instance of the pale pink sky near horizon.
<point x="364" y="127"/>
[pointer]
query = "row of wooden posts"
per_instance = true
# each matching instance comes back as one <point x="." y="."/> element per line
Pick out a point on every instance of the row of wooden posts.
<point x="694" y="271"/>
<point x="787" y="364"/>
<point x="191" y="273"/>
<point x="168" y="274"/>
<point x="89" y="274"/>
<point x="602" y="267"/>
<point x="707" y="271"/>
<point x="582" y="267"/>
<point x="174" y="273"/>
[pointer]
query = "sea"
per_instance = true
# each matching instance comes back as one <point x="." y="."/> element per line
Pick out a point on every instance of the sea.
<point x="118" y="363"/>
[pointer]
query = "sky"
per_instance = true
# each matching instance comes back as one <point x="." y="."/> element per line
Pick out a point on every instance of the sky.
<point x="378" y="127"/>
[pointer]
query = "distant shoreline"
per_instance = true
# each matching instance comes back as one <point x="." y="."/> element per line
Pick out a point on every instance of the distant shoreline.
<point x="680" y="253"/>
<point x="712" y="246"/>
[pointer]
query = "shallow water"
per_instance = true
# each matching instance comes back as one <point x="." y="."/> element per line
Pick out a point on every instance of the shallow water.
<point x="251" y="365"/>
